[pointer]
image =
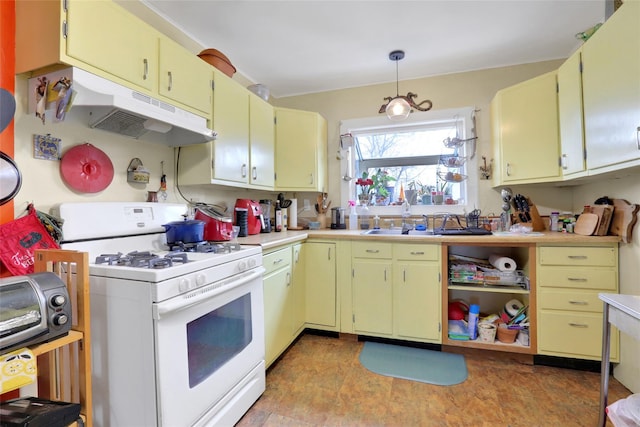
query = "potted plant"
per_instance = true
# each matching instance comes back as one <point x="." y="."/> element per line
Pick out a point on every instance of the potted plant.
<point x="381" y="180"/>
<point x="365" y="183"/>
<point x="425" y="193"/>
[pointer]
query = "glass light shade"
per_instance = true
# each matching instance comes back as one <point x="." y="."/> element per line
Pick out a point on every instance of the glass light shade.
<point x="398" y="109"/>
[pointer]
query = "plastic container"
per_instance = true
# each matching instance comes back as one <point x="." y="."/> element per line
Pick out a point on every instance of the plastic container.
<point x="553" y="221"/>
<point x="353" y="218"/>
<point x="474" y="311"/>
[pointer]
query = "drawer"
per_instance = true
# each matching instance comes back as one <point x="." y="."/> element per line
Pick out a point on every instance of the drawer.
<point x="571" y="300"/>
<point x="416" y="252"/>
<point x="571" y="334"/>
<point x="371" y="250"/>
<point x="605" y="279"/>
<point x="276" y="260"/>
<point x="579" y="255"/>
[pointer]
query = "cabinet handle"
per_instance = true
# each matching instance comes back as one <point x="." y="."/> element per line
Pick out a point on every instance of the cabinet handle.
<point x="372" y="251"/>
<point x="564" y="161"/>
<point x="328" y="254"/>
<point x="577" y="257"/>
<point x="404" y="275"/>
<point x="578" y="325"/>
<point x="170" y="81"/>
<point x="243" y="170"/>
<point x="311" y="178"/>
<point x="578" y="302"/>
<point x="296" y="256"/>
<point x="146" y="69"/>
<point x="254" y="173"/>
<point x="638" y="137"/>
<point x="417" y="253"/>
<point x="576" y="279"/>
<point x="508" y="169"/>
<point x="277" y="261"/>
<point x="385" y="274"/>
<point x="288" y="279"/>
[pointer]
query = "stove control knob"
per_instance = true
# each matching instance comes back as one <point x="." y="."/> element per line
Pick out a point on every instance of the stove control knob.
<point x="60" y="319"/>
<point x="183" y="286"/>
<point x="201" y="279"/>
<point x="252" y="263"/>
<point x="242" y="265"/>
<point x="58" y="300"/>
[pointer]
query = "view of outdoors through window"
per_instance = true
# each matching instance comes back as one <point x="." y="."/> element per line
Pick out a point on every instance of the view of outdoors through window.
<point x="414" y="162"/>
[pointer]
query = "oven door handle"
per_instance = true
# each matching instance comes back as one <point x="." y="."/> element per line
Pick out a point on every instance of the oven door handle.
<point x="203" y="293"/>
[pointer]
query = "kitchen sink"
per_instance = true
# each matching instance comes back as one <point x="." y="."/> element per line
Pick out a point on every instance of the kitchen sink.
<point x="396" y="232"/>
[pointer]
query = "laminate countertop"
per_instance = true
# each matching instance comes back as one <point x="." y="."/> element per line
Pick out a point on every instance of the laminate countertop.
<point x="274" y="239"/>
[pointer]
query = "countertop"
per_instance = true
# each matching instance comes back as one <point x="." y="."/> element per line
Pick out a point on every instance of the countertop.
<point x="271" y="240"/>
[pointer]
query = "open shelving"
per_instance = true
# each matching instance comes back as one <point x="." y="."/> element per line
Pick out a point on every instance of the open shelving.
<point x="491" y="297"/>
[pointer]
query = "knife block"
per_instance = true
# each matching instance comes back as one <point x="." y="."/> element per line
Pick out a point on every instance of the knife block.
<point x="537" y="224"/>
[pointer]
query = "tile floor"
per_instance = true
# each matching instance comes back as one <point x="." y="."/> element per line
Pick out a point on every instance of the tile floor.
<point x="320" y="382"/>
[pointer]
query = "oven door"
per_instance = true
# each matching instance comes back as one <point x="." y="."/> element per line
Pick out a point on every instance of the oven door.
<point x="207" y="341"/>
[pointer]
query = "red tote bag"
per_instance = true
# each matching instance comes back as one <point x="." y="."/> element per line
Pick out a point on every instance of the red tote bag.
<point x="18" y="241"/>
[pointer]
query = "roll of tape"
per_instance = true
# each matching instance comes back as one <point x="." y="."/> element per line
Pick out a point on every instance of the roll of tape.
<point x="512" y="307"/>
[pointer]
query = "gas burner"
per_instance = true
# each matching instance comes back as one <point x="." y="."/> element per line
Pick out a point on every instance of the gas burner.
<point x="143" y="259"/>
<point x="185" y="247"/>
<point x="205" y="247"/>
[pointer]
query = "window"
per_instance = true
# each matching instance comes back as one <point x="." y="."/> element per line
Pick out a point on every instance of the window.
<point x="427" y="158"/>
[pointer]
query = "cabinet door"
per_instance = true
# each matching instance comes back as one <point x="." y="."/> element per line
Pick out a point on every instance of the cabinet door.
<point x="570" y="115"/>
<point x="372" y="296"/>
<point x="298" y="287"/>
<point x="301" y="140"/>
<point x="529" y="145"/>
<point x="611" y="80"/>
<point x="184" y="77"/>
<point x="231" y="121"/>
<point x="106" y="36"/>
<point x="320" y="274"/>
<point x="262" y="142"/>
<point x="417" y="300"/>
<point x="277" y="327"/>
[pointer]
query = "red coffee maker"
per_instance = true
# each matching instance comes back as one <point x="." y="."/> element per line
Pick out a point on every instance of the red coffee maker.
<point x="253" y="218"/>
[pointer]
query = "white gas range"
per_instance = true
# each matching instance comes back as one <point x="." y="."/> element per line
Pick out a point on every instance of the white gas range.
<point x="177" y="337"/>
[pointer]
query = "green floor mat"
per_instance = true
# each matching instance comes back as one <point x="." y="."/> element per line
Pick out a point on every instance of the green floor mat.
<point x="427" y="366"/>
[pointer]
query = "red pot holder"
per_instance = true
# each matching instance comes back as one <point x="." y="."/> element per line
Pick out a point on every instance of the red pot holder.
<point x="18" y="241"/>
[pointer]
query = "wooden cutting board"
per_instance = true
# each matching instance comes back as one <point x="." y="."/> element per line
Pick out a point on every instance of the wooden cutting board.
<point x="586" y="224"/>
<point x="625" y="216"/>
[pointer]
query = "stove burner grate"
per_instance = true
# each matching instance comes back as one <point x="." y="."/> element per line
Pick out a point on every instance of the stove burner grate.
<point x="143" y="259"/>
<point x="205" y="247"/>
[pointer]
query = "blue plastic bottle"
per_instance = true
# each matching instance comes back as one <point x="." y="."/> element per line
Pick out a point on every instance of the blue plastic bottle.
<point x="474" y="311"/>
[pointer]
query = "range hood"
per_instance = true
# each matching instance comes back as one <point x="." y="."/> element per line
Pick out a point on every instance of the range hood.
<point x="103" y="104"/>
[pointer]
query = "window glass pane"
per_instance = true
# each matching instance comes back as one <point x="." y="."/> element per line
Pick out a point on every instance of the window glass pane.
<point x="412" y="143"/>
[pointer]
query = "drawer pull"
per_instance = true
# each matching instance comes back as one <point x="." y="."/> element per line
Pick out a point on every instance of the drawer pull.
<point x="577" y="256"/>
<point x="372" y="251"/>
<point x="578" y="302"/>
<point x="576" y="279"/>
<point x="417" y="253"/>
<point x="578" y="325"/>
<point x="277" y="261"/>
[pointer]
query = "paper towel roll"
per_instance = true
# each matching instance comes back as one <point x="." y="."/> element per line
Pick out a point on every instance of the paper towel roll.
<point x="502" y="263"/>
<point x="293" y="214"/>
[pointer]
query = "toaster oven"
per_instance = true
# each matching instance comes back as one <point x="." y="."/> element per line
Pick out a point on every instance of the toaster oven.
<point x="33" y="309"/>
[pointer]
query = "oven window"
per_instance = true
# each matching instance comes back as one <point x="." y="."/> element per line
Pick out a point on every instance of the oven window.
<point x="217" y="337"/>
<point x="20" y="308"/>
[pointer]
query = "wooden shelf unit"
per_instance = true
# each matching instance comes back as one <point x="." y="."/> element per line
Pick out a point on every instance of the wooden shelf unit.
<point x="64" y="364"/>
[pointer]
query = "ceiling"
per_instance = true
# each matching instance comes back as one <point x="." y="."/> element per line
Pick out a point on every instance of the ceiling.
<point x="305" y="46"/>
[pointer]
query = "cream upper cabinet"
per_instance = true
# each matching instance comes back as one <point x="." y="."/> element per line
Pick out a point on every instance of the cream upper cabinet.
<point x="301" y="140"/>
<point x="184" y="77"/>
<point x="572" y="159"/>
<point x="611" y="81"/>
<point x="525" y="129"/>
<point x="261" y="142"/>
<point x="100" y="34"/>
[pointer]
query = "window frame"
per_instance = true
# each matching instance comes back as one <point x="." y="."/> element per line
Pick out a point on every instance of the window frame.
<point x="464" y="115"/>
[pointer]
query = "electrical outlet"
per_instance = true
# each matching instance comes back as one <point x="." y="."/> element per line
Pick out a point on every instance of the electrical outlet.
<point x="307" y="205"/>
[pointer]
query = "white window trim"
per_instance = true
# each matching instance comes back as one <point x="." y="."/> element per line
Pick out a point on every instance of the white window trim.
<point x="347" y="162"/>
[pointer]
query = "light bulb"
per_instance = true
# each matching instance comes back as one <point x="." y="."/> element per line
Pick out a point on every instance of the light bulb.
<point x="398" y="109"/>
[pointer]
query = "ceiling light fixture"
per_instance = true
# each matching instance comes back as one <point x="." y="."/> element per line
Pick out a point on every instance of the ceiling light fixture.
<point x="399" y="106"/>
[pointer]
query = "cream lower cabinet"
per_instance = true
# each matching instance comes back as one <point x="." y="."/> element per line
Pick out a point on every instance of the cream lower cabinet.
<point x="320" y="284"/>
<point x="277" y="303"/>
<point x="301" y="151"/>
<point x="611" y="84"/>
<point x="298" y="286"/>
<point x="396" y="290"/>
<point x="569" y="279"/>
<point x="525" y="132"/>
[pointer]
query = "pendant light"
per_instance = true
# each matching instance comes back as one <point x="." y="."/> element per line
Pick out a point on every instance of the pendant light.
<point x="399" y="106"/>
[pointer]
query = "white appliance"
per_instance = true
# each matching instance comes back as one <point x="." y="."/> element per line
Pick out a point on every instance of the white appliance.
<point x="115" y="108"/>
<point x="180" y="343"/>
